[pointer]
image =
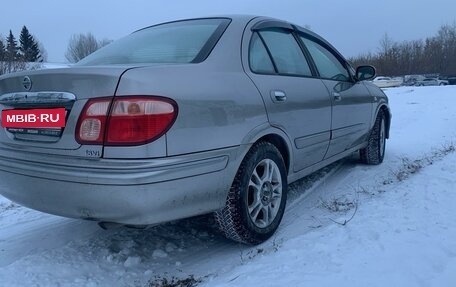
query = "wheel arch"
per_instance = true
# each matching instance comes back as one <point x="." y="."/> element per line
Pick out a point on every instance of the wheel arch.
<point x="386" y="111"/>
<point x="274" y="136"/>
<point x="387" y="114"/>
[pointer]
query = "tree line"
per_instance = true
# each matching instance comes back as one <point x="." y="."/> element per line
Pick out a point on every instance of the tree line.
<point x="14" y="55"/>
<point x="433" y="55"/>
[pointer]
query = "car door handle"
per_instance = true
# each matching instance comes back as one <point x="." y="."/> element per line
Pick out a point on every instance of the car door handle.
<point x="278" y="96"/>
<point x="337" y="97"/>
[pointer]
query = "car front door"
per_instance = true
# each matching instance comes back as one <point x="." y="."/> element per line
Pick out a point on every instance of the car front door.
<point x="296" y="101"/>
<point x="351" y="102"/>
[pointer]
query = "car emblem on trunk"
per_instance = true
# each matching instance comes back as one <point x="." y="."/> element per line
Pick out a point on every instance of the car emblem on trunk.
<point x="27" y="83"/>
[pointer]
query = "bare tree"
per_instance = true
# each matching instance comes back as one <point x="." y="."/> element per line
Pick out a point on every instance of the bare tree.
<point x="82" y="45"/>
<point x="12" y="66"/>
<point x="104" y="42"/>
<point x="386" y="44"/>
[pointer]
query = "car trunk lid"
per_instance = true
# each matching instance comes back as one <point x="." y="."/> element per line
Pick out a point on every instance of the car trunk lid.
<point x="67" y="88"/>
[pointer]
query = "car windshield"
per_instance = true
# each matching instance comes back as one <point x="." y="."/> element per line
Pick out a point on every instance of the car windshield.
<point x="176" y="42"/>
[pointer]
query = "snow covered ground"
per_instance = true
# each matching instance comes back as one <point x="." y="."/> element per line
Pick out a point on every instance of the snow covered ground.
<point x="347" y="225"/>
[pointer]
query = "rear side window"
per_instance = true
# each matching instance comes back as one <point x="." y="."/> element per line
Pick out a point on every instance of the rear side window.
<point x="327" y="64"/>
<point x="285" y="52"/>
<point x="177" y="42"/>
<point x="259" y="59"/>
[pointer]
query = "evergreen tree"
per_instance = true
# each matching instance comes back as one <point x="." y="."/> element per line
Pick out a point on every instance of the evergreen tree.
<point x="11" y="48"/>
<point x="29" y="47"/>
<point x="2" y="50"/>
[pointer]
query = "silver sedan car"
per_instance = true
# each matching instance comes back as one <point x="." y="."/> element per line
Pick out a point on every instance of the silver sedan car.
<point x="210" y="115"/>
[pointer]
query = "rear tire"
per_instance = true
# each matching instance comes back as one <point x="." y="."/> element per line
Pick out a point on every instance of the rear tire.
<point x="375" y="150"/>
<point x="256" y="201"/>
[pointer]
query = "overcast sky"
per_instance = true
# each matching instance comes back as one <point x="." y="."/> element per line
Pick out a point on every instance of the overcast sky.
<point x="352" y="26"/>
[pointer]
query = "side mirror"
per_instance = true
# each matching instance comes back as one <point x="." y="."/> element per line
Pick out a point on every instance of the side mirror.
<point x="365" y="73"/>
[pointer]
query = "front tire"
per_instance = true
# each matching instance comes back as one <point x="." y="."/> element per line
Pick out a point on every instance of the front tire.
<point x="256" y="201"/>
<point x="375" y="150"/>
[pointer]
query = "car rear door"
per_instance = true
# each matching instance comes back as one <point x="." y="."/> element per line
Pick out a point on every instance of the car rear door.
<point x="296" y="101"/>
<point x="351" y="102"/>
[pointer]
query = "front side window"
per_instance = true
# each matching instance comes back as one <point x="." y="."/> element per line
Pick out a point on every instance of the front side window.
<point x="285" y="52"/>
<point x="177" y="42"/>
<point x="327" y="64"/>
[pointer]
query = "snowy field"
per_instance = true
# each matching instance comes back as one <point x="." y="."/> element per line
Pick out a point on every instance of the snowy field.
<point x="347" y="225"/>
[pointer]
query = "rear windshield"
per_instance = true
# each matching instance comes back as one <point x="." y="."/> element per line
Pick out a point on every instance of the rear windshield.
<point x="177" y="42"/>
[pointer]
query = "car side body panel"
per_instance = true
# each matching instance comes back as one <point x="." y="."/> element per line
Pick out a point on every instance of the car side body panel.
<point x="216" y="109"/>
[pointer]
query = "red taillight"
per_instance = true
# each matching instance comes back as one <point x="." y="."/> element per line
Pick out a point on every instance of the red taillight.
<point x="139" y="120"/>
<point x="127" y="121"/>
<point x="92" y="121"/>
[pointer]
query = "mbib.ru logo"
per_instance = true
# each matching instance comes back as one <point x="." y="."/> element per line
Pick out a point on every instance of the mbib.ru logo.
<point x="34" y="118"/>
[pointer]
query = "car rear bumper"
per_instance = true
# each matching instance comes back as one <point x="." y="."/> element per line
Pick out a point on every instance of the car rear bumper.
<point x="123" y="191"/>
